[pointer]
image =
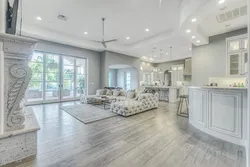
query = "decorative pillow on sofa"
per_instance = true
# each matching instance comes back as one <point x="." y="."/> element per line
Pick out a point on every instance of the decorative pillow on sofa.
<point x="130" y="95"/>
<point x="101" y="92"/>
<point x="116" y="93"/>
<point x="122" y="93"/>
<point x="109" y="92"/>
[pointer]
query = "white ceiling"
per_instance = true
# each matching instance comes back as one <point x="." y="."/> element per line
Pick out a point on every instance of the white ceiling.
<point x="123" y="18"/>
<point x="211" y="26"/>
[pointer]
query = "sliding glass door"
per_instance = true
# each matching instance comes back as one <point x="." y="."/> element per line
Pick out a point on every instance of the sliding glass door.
<point x="36" y="86"/>
<point x="56" y="78"/>
<point x="68" y="78"/>
<point x="52" y="78"/>
<point x="81" y="77"/>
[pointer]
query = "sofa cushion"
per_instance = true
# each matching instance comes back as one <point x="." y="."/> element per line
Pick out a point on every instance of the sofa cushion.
<point x="122" y="93"/>
<point x="116" y="93"/>
<point x="130" y="95"/>
<point x="101" y="92"/>
<point x="109" y="92"/>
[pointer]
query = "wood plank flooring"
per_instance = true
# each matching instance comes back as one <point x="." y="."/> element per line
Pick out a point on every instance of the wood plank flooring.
<point x="156" y="138"/>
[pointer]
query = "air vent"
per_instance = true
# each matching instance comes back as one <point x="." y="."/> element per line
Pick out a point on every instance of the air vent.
<point x="62" y="17"/>
<point x="232" y="14"/>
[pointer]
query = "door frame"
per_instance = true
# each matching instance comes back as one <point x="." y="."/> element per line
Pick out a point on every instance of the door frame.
<point x="60" y="89"/>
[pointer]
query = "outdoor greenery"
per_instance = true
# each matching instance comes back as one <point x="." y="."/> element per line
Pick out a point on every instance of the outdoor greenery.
<point x="52" y="74"/>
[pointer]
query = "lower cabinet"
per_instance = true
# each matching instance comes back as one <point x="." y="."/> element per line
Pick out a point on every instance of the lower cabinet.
<point x="198" y="106"/>
<point x="218" y="112"/>
<point x="225" y="112"/>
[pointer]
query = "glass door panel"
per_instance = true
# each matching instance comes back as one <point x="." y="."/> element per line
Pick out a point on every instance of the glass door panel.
<point x="68" y="78"/>
<point x="245" y="62"/>
<point x="234" y="46"/>
<point x="81" y="77"/>
<point x="52" y="77"/>
<point x="234" y="64"/>
<point x="35" y="90"/>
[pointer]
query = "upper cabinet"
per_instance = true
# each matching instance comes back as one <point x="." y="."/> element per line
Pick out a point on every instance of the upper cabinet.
<point x="188" y="67"/>
<point x="237" y="55"/>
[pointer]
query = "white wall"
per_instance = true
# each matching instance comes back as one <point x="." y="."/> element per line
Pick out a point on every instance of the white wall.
<point x="210" y="60"/>
<point x="111" y="58"/>
<point x="92" y="57"/>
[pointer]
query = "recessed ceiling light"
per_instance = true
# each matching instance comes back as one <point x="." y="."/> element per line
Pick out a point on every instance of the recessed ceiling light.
<point x="144" y="57"/>
<point x="190" y="49"/>
<point x="151" y="59"/>
<point x="127" y="37"/>
<point x="194" y="20"/>
<point x="193" y="37"/>
<point x="146" y="29"/>
<point x="85" y="33"/>
<point x="221" y="1"/>
<point x="188" y="31"/>
<point x="38" y="18"/>
<point x="167" y="54"/>
<point x="198" y="41"/>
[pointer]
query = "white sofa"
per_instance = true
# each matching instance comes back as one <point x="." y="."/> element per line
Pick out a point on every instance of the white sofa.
<point x="141" y="103"/>
<point x="90" y="98"/>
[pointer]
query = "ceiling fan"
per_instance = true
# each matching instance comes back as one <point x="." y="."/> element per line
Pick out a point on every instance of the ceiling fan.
<point x="103" y="42"/>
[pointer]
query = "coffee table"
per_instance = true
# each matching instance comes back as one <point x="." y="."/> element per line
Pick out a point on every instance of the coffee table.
<point x="103" y="100"/>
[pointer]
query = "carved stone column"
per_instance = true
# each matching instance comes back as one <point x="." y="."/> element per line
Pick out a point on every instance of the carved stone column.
<point x="17" y="74"/>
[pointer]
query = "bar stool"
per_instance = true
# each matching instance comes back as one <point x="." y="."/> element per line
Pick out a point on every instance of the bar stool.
<point x="183" y="98"/>
<point x="179" y="110"/>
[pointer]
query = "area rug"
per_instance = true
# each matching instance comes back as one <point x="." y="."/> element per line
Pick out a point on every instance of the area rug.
<point x="87" y="113"/>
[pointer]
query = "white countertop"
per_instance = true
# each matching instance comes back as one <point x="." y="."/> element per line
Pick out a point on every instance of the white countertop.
<point x="163" y="87"/>
<point x="218" y="87"/>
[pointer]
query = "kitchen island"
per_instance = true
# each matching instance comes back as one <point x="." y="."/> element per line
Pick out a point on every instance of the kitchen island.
<point x="220" y="112"/>
<point x="167" y="93"/>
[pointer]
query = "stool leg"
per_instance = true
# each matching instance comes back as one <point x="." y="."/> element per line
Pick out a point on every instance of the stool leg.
<point x="178" y="107"/>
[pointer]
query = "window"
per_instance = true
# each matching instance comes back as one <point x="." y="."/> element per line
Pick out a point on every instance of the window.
<point x="110" y="79"/>
<point x="127" y="80"/>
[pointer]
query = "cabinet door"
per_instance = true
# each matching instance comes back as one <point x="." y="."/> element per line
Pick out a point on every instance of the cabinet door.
<point x="225" y="113"/>
<point x="234" y="46"/>
<point x="244" y="44"/>
<point x="244" y="62"/>
<point x="198" y="106"/>
<point x="234" y="64"/>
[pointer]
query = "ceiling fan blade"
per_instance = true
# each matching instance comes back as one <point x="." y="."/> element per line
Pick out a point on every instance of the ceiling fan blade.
<point x="96" y="41"/>
<point x="112" y="40"/>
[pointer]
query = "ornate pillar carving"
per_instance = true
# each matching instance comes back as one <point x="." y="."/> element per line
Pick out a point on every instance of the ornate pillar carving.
<point x="17" y="74"/>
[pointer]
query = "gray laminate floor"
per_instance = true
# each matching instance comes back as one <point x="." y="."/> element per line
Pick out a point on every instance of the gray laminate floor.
<point x="157" y="138"/>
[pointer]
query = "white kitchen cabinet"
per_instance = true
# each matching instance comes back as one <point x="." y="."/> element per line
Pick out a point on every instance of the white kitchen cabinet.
<point x="220" y="112"/>
<point x="225" y="113"/>
<point x="188" y="67"/>
<point x="198" y="106"/>
<point x="237" y="55"/>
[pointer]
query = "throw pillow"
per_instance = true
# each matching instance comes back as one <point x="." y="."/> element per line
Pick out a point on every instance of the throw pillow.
<point x="116" y="93"/>
<point x="101" y="92"/>
<point x="109" y="92"/>
<point x="122" y="93"/>
<point x="130" y="95"/>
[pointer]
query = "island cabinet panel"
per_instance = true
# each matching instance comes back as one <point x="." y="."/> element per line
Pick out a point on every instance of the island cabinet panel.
<point x="198" y="106"/>
<point x="225" y="112"/>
